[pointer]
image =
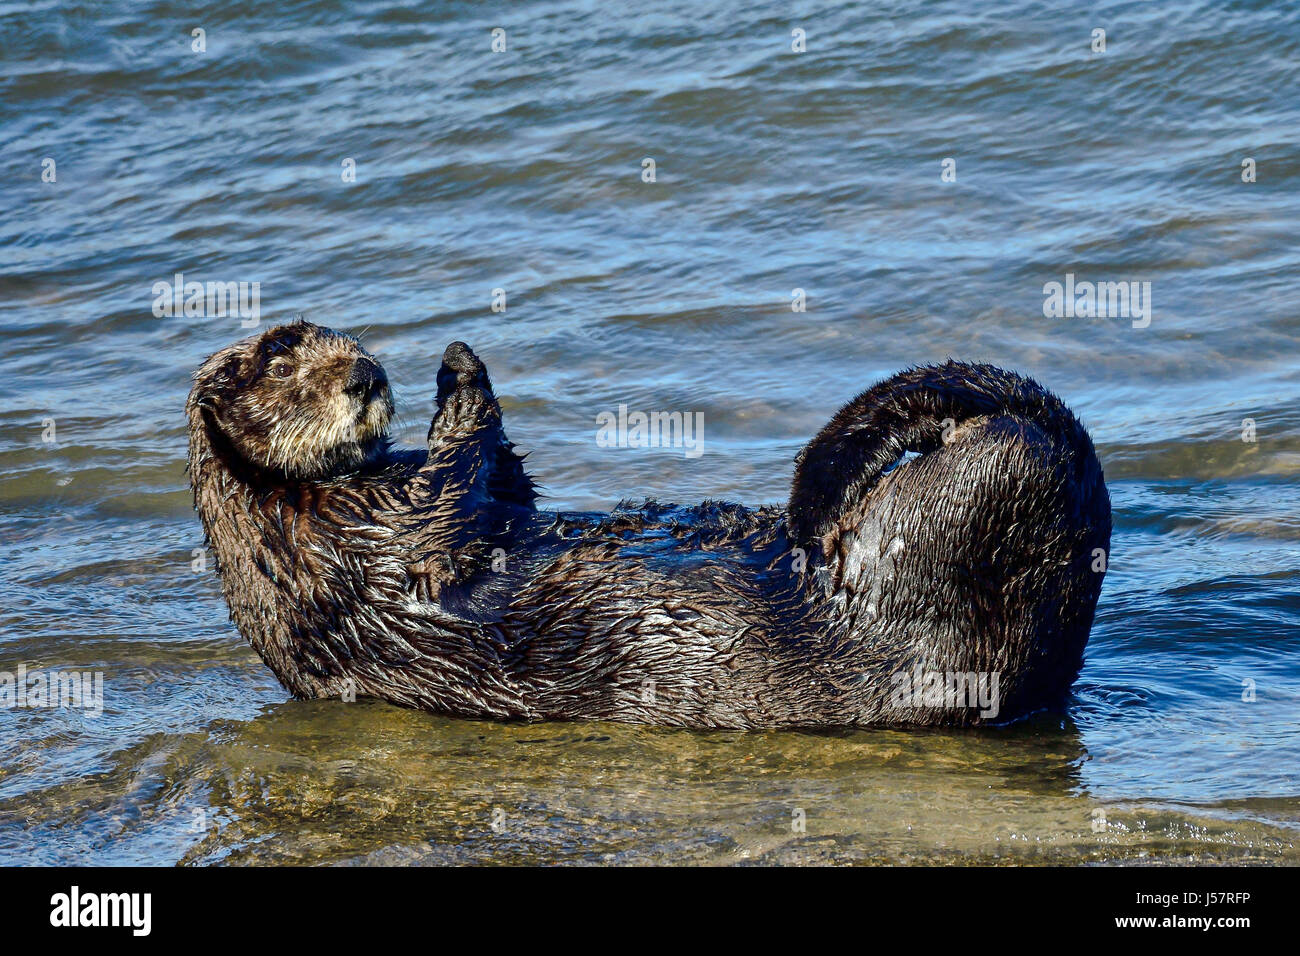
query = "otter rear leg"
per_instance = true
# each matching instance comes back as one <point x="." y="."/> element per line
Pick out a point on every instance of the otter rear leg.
<point x="975" y="559"/>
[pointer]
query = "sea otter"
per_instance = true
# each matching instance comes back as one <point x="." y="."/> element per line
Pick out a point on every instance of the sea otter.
<point x="938" y="562"/>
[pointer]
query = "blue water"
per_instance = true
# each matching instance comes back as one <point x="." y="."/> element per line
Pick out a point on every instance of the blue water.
<point x="774" y="171"/>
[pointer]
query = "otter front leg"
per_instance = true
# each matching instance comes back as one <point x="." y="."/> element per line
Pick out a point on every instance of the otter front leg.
<point x="468" y="447"/>
<point x="471" y="489"/>
<point x="466" y="405"/>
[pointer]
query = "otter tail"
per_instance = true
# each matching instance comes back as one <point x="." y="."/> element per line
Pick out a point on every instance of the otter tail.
<point x="984" y="555"/>
<point x="913" y="412"/>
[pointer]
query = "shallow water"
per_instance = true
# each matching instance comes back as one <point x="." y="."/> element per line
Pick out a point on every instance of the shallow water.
<point x="775" y="171"/>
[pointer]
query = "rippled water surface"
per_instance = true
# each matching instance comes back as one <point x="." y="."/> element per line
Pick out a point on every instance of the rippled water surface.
<point x="775" y="171"/>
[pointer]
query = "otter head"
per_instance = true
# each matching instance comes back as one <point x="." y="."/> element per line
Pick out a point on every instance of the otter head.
<point x="299" y="400"/>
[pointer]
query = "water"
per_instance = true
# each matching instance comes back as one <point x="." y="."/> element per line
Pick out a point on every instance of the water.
<point x="775" y="171"/>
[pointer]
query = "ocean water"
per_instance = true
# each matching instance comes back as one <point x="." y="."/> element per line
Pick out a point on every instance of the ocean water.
<point x="523" y="171"/>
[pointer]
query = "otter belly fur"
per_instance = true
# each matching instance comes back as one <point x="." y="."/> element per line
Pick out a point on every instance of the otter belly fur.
<point x="938" y="562"/>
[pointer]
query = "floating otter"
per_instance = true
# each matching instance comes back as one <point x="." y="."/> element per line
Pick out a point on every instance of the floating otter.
<point x="944" y="541"/>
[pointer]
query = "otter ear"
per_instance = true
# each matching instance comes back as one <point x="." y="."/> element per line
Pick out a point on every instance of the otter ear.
<point x="229" y="373"/>
<point x="216" y="378"/>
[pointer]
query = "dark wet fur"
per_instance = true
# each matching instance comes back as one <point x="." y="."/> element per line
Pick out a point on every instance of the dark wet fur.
<point x="430" y="580"/>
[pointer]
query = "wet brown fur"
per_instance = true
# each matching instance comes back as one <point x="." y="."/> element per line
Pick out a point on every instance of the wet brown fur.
<point x="430" y="580"/>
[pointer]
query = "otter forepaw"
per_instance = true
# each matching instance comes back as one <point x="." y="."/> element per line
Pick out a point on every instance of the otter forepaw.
<point x="461" y="368"/>
<point x="465" y="400"/>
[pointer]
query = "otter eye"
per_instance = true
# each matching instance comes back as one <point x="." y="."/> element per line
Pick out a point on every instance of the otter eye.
<point x="281" y="369"/>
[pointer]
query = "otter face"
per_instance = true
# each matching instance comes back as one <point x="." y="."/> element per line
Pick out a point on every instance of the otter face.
<point x="299" y="400"/>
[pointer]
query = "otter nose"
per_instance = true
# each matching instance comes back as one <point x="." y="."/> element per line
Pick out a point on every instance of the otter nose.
<point x="366" y="379"/>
